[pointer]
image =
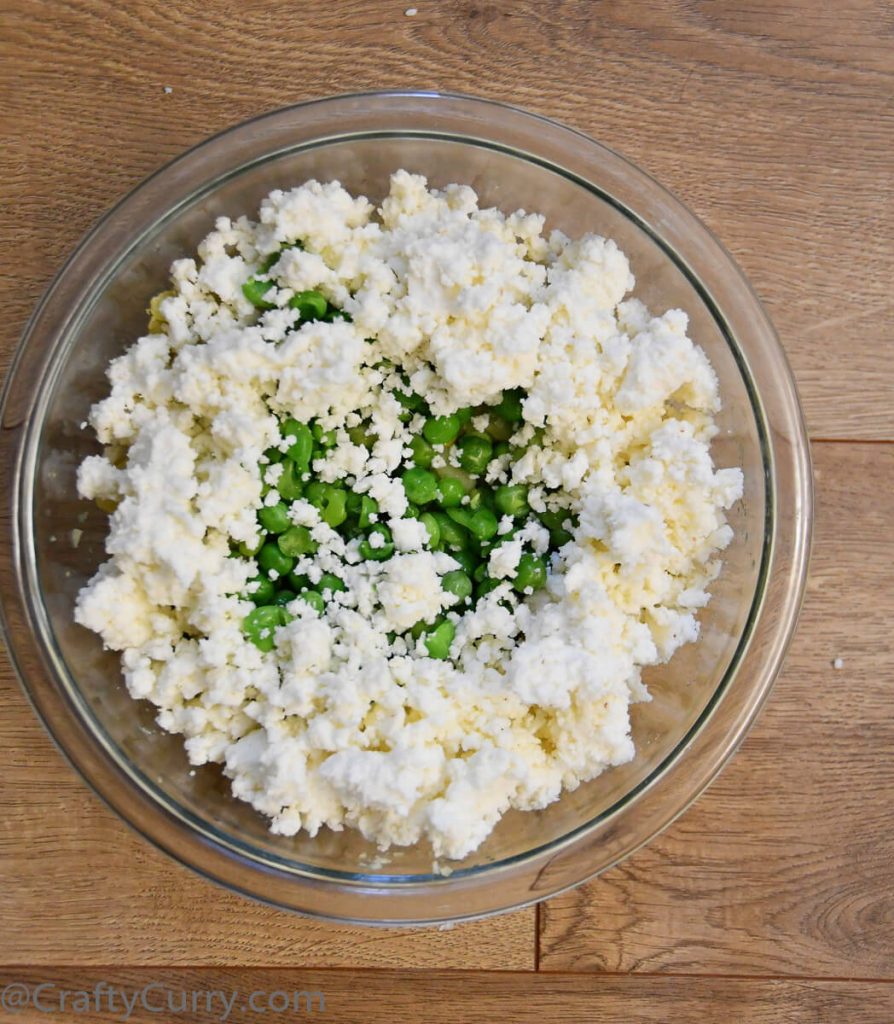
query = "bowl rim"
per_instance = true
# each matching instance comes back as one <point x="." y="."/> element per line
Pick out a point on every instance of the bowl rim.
<point x="42" y="671"/>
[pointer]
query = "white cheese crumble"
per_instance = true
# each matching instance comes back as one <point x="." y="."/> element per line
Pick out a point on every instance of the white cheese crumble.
<point x="343" y="723"/>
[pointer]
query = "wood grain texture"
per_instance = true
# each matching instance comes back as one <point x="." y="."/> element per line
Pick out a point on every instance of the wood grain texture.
<point x="388" y="997"/>
<point x="786" y="865"/>
<point x="773" y="121"/>
<point x="79" y="887"/>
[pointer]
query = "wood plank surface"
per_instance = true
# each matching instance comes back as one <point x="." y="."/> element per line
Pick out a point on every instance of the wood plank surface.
<point x="786" y="864"/>
<point x="459" y="997"/>
<point x="773" y="121"/>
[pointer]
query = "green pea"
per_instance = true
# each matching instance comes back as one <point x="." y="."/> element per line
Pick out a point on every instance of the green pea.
<point x="461" y="515"/>
<point x="457" y="583"/>
<point x="274" y="518"/>
<point x="335" y="510"/>
<point x="418" y="628"/>
<point x="512" y="499"/>
<point x="481" y="523"/>
<point x="361" y="435"/>
<point x="442" y="429"/>
<point x="331" y="583"/>
<point x="410" y="401"/>
<point x="284" y="597"/>
<point x="486" y="586"/>
<point x="531" y="572"/>
<point x="420" y="485"/>
<point x="464" y="415"/>
<point x="453" y="536"/>
<point x="270" y="262"/>
<point x="431" y="525"/>
<point x="502" y="448"/>
<point x="437" y="641"/>
<point x="314" y="599"/>
<point x="250" y="550"/>
<point x="474" y="453"/>
<point x="302" y="443"/>
<point x="510" y="405"/>
<point x="315" y="492"/>
<point x="423" y="453"/>
<point x="324" y="438"/>
<point x="480" y="573"/>
<point x="554" y="519"/>
<point x="381" y="553"/>
<point x="272" y="455"/>
<point x="310" y="304"/>
<point x="466" y="559"/>
<point x="482" y="497"/>
<point x="260" y="590"/>
<point x="298" y="582"/>
<point x="272" y="559"/>
<point x="499" y="428"/>
<point x="484" y="524"/>
<point x="450" y="492"/>
<point x="260" y="626"/>
<point x="412" y="511"/>
<point x="289" y="484"/>
<point x="363" y="508"/>
<point x="332" y="314"/>
<point x="255" y="289"/>
<point x="296" y="541"/>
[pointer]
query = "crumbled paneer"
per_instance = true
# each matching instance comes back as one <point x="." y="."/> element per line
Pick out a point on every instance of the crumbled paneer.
<point x="347" y="721"/>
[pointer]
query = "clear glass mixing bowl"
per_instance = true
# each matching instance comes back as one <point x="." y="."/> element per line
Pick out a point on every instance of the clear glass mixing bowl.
<point x="704" y="700"/>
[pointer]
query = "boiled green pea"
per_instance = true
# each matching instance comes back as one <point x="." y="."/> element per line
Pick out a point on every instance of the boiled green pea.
<point x="298" y="582"/>
<point x="284" y="597"/>
<point x="438" y="640"/>
<point x="420" y="485"/>
<point x="300" y="449"/>
<point x="311" y="305"/>
<point x="474" y="453"/>
<point x="383" y="551"/>
<point x="466" y="558"/>
<point x="250" y="550"/>
<point x="453" y="536"/>
<point x="297" y="541"/>
<point x="272" y="559"/>
<point x="450" y="492"/>
<point x="331" y="583"/>
<point x="289" y="483"/>
<point x="260" y="626"/>
<point x="324" y="438"/>
<point x="255" y="289"/>
<point x="334" y="511"/>
<point x="486" y="586"/>
<point x="457" y="583"/>
<point x="431" y="526"/>
<point x="274" y="518"/>
<point x="442" y="429"/>
<point x="510" y="405"/>
<point x="361" y="435"/>
<point x="423" y="453"/>
<point x="512" y="499"/>
<point x="531" y="573"/>
<point x="314" y="599"/>
<point x="260" y="590"/>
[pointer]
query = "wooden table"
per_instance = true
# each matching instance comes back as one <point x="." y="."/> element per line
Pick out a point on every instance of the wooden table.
<point x="769" y="900"/>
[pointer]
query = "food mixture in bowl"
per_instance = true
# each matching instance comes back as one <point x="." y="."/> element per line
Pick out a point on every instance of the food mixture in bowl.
<point x="402" y="501"/>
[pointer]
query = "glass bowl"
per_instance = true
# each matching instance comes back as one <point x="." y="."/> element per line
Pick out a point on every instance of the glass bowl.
<point x="703" y="701"/>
